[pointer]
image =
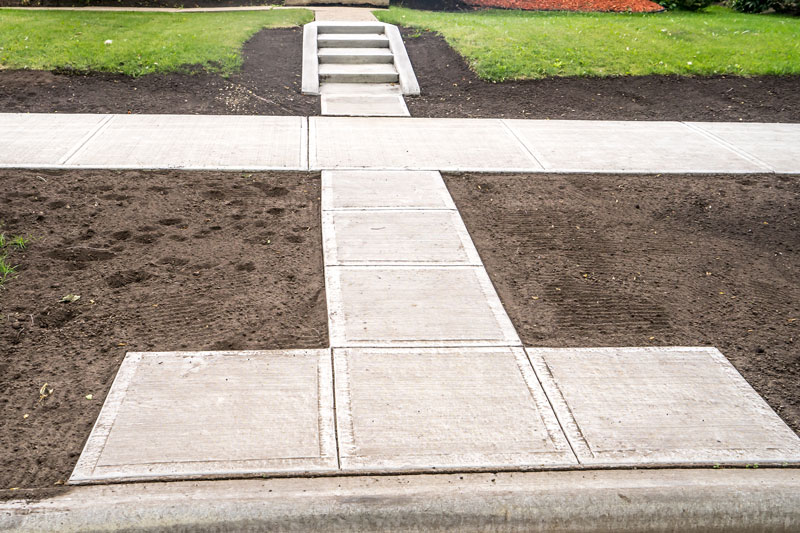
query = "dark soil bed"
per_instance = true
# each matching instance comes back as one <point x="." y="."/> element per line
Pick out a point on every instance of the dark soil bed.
<point x="269" y="84"/>
<point x="162" y="261"/>
<point x="649" y="261"/>
<point x="451" y="89"/>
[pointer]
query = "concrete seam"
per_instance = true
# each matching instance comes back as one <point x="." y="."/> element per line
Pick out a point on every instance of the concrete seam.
<point x="733" y="148"/>
<point x="88" y="137"/>
<point x="530" y="149"/>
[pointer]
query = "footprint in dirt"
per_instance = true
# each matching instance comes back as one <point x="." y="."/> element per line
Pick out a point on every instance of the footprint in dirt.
<point x="127" y="277"/>
<point x="81" y="255"/>
<point x="269" y="190"/>
<point x="213" y="194"/>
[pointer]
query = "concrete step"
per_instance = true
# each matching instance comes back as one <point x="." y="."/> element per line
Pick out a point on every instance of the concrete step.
<point x="356" y="89"/>
<point x="352" y="40"/>
<point x="350" y="27"/>
<point x="355" y="55"/>
<point x="343" y="105"/>
<point x="344" y="73"/>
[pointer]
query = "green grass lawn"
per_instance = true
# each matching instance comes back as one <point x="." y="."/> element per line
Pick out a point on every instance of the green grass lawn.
<point x="142" y="43"/>
<point x="501" y="45"/>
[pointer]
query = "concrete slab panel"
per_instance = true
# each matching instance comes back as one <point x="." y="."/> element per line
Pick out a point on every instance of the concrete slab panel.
<point x="364" y="106"/>
<point x="775" y="145"/>
<point x="415" y="306"/>
<point x="369" y="89"/>
<point x="44" y="139"/>
<point x="384" y="189"/>
<point x="608" y="146"/>
<point x="197" y="142"/>
<point x="189" y="414"/>
<point x="396" y="238"/>
<point x="660" y="406"/>
<point x="416" y="144"/>
<point x="443" y="408"/>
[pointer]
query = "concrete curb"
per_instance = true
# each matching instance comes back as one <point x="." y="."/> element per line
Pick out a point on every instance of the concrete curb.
<point x="599" y="500"/>
<point x="310" y="83"/>
<point x="408" y="80"/>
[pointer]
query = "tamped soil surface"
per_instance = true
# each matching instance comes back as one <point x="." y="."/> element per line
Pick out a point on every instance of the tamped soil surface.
<point x="268" y="84"/>
<point x="451" y="89"/>
<point x="161" y="261"/>
<point x="612" y="260"/>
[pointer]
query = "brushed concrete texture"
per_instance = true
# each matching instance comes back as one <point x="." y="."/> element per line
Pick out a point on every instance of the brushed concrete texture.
<point x="660" y="406"/>
<point x="415" y="306"/>
<point x="408" y="80"/>
<point x="365" y="89"/>
<point x="389" y="105"/>
<point x="443" y="408"/>
<point x="310" y="69"/>
<point x="355" y="55"/>
<point x="415" y="144"/>
<point x="341" y="13"/>
<point x="396" y="238"/>
<point x="197" y="142"/>
<point x="776" y="145"/>
<point x="44" y="139"/>
<point x="190" y="414"/>
<point x="608" y="146"/>
<point x="662" y="500"/>
<point x="384" y="189"/>
<point x="358" y="73"/>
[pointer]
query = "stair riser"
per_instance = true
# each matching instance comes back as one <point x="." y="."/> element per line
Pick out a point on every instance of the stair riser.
<point x="377" y="28"/>
<point x="359" y="78"/>
<point x="355" y="59"/>
<point x="323" y="42"/>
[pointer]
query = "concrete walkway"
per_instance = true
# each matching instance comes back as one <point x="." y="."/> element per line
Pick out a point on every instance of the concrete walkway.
<point x="316" y="143"/>
<point x="425" y="372"/>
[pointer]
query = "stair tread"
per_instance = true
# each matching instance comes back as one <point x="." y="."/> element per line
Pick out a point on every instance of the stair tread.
<point x="364" y="68"/>
<point x="355" y="51"/>
<point x="351" y="37"/>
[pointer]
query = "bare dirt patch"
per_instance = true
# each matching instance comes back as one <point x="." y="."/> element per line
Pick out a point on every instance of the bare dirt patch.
<point x="161" y="261"/>
<point x="612" y="260"/>
<point x="268" y="84"/>
<point x="451" y="89"/>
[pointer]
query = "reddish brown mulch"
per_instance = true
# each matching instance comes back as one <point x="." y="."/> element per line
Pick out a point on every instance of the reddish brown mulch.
<point x="633" y="6"/>
<point x="622" y="260"/>
<point x="164" y="260"/>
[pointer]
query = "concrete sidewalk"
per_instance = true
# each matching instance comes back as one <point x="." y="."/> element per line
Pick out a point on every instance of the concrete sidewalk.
<point x="315" y="143"/>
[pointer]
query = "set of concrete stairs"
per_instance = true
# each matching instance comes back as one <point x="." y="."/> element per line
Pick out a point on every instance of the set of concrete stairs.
<point x="359" y="68"/>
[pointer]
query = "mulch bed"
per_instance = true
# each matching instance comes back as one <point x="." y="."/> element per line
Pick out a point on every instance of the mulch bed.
<point x="451" y="89"/>
<point x="161" y="261"/>
<point x="269" y="84"/>
<point x="620" y="260"/>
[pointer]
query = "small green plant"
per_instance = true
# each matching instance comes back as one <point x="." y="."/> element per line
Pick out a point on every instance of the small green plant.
<point x="19" y="242"/>
<point x="7" y="270"/>
<point x="7" y="244"/>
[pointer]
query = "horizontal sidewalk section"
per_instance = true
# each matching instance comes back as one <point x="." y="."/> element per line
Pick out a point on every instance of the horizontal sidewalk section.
<point x="235" y="142"/>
